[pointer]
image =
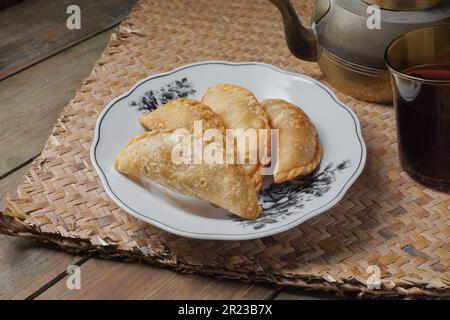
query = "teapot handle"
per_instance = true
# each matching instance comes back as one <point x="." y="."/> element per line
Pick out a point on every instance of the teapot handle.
<point x="301" y="41"/>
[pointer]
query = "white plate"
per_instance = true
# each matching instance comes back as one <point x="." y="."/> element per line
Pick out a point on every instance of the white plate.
<point x="285" y="206"/>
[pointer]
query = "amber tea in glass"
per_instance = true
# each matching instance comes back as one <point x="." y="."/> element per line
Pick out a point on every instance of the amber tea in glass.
<point x="419" y="62"/>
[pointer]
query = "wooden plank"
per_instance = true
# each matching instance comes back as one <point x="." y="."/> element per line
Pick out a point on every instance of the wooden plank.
<point x="31" y="101"/>
<point x="102" y="279"/>
<point x="10" y="182"/>
<point x="26" y="266"/>
<point x="36" y="29"/>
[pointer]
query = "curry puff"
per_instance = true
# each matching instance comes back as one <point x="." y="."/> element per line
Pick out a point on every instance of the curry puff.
<point x="186" y="114"/>
<point x="225" y="185"/>
<point x="239" y="109"/>
<point x="299" y="148"/>
<point x="181" y="113"/>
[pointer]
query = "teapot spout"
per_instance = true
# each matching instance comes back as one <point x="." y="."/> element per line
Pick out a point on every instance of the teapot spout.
<point x="301" y="41"/>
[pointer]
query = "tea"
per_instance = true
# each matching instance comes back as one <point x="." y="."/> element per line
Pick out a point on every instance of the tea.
<point x="430" y="72"/>
<point x="423" y="120"/>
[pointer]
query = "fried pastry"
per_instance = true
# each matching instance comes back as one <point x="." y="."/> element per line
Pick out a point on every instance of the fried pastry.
<point x="184" y="114"/>
<point x="149" y="155"/>
<point x="299" y="147"/>
<point x="239" y="109"/>
<point x="181" y="113"/>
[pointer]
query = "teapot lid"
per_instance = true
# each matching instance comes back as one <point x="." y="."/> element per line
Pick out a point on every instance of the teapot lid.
<point x="417" y="17"/>
<point x="403" y="5"/>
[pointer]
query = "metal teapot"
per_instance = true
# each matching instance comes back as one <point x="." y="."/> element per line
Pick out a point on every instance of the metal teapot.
<point x="350" y="54"/>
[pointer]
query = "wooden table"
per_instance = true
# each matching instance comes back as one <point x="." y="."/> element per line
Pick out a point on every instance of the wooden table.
<point x="42" y="64"/>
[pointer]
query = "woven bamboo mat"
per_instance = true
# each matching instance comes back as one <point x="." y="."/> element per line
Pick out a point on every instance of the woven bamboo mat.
<point x="386" y="219"/>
